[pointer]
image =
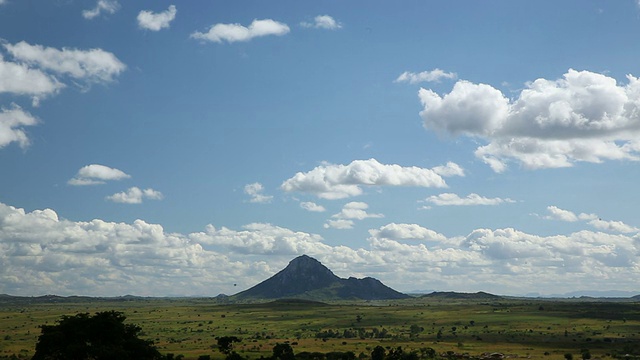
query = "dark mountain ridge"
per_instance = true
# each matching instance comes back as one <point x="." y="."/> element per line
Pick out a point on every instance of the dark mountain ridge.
<point x="306" y="278"/>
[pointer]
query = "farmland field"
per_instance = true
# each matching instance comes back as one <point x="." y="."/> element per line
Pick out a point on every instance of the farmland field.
<point x="530" y="328"/>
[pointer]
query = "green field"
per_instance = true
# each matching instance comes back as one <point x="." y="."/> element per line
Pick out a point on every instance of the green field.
<point x="534" y="329"/>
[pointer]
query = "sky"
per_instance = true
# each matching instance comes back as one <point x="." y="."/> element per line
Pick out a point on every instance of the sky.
<point x="166" y="148"/>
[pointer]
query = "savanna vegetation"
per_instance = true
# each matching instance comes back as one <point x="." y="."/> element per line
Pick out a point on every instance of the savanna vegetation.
<point x="400" y="330"/>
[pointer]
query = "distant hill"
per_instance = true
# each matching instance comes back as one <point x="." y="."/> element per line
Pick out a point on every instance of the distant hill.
<point x="306" y="278"/>
<point x="45" y="299"/>
<point x="480" y="295"/>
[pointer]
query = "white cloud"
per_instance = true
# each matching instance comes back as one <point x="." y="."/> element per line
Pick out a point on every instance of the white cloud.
<point x="259" y="238"/>
<point x="102" y="6"/>
<point x="42" y="253"/>
<point x="95" y="174"/>
<point x="236" y="32"/>
<point x="92" y="66"/>
<point x="591" y="219"/>
<point x="135" y="195"/>
<point x="313" y="207"/>
<point x="12" y="123"/>
<point x="156" y="21"/>
<point x="21" y="80"/>
<point x="434" y="75"/>
<point x="355" y="210"/>
<point x="350" y="211"/>
<point x="331" y="181"/>
<point x="407" y="232"/>
<point x="340" y="224"/>
<point x="561" y="214"/>
<point x="613" y="226"/>
<point x="255" y="191"/>
<point x="449" y="170"/>
<point x="450" y="199"/>
<point x="322" y="22"/>
<point x="584" y="116"/>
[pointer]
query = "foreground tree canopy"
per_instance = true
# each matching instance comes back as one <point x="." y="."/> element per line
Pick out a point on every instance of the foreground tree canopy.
<point x="103" y="336"/>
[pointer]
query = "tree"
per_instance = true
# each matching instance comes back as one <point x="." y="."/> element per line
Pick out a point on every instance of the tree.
<point x="378" y="353"/>
<point x="225" y="343"/>
<point x="103" y="336"/>
<point x="283" y="352"/>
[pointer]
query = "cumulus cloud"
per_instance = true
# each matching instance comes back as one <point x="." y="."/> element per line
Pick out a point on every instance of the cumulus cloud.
<point x="407" y="232"/>
<point x="13" y="120"/>
<point x="356" y="210"/>
<point x="311" y="206"/>
<point x="350" y="211"/>
<point x="19" y="79"/>
<point x="555" y="213"/>
<point x="236" y="32"/>
<point x="40" y="253"/>
<point x="102" y="7"/>
<point x="95" y="174"/>
<point x="340" y="224"/>
<point x="260" y="238"/>
<point x="434" y="75"/>
<point x="135" y="195"/>
<point x="560" y="214"/>
<point x="450" y="199"/>
<point x="584" y="116"/>
<point x="91" y="66"/>
<point x="330" y="181"/>
<point x="156" y="21"/>
<point x="322" y="22"/>
<point x="255" y="191"/>
<point x="613" y="226"/>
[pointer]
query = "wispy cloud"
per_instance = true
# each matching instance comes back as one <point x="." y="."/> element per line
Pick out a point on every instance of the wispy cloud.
<point x="135" y="195"/>
<point x="313" y="207"/>
<point x="450" y="199"/>
<point x="350" y="212"/>
<point x="102" y="6"/>
<point x="237" y="33"/>
<point x="434" y="75"/>
<point x="157" y="21"/>
<point x="256" y="190"/>
<point x="322" y="22"/>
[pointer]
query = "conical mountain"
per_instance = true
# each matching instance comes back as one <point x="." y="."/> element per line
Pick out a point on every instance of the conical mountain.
<point x="306" y="278"/>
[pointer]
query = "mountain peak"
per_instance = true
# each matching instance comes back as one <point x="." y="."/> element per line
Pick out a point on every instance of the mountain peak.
<point x="306" y="277"/>
<point x="305" y="262"/>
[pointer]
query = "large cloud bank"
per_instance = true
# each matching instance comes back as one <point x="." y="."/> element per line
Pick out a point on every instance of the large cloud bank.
<point x="42" y="253"/>
<point x="584" y="116"/>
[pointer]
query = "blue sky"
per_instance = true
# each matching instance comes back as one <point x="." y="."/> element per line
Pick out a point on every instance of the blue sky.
<point x="179" y="148"/>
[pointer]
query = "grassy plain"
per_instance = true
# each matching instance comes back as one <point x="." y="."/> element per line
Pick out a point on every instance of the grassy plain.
<point x="538" y="329"/>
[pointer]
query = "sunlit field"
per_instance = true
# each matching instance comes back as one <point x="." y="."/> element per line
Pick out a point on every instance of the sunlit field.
<point x="523" y="328"/>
